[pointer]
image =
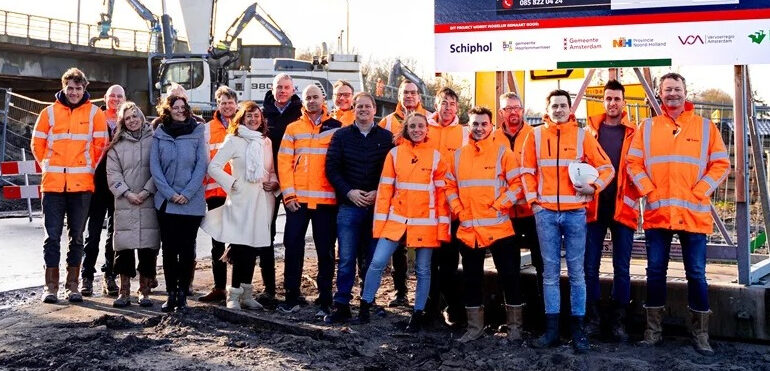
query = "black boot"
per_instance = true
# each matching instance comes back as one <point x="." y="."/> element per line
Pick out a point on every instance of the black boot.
<point x="181" y="299"/>
<point x="170" y="303"/>
<point x="551" y="336"/>
<point x="619" y="333"/>
<point x="592" y="320"/>
<point x="363" y="313"/>
<point x="579" y="339"/>
<point x="340" y="314"/>
<point x="415" y="322"/>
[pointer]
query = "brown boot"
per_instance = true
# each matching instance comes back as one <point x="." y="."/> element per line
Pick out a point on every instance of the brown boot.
<point x="514" y="320"/>
<point x="71" y="285"/>
<point x="144" y="291"/>
<point x="124" y="294"/>
<point x="699" y="329"/>
<point x="653" y="335"/>
<point x="475" y="324"/>
<point x="51" y="293"/>
<point x="215" y="295"/>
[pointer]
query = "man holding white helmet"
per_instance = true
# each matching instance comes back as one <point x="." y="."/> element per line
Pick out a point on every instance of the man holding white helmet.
<point x="559" y="207"/>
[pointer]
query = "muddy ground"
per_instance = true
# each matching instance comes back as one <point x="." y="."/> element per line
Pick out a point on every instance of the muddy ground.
<point x="93" y="335"/>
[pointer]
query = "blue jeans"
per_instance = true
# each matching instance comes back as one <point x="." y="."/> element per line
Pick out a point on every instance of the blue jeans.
<point x="356" y="245"/>
<point x="382" y="254"/>
<point x="694" y="258"/>
<point x="57" y="205"/>
<point x="552" y="226"/>
<point x="622" y="244"/>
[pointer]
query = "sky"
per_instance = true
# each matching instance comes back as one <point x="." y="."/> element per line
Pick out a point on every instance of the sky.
<point x="379" y="30"/>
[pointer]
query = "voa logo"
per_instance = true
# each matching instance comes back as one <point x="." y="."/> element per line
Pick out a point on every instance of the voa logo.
<point x="470" y="48"/>
<point x="690" y="39"/>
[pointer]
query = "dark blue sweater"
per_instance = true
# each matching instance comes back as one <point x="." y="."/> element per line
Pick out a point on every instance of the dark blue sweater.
<point x="354" y="161"/>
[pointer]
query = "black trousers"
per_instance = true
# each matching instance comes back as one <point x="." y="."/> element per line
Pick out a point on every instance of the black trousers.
<point x="243" y="258"/>
<point x="102" y="204"/>
<point x="444" y="262"/>
<point x="125" y="262"/>
<point x="177" y="238"/>
<point x="507" y="260"/>
<point x="399" y="262"/>
<point x="267" y="254"/>
<point x="526" y="238"/>
<point x="218" y="267"/>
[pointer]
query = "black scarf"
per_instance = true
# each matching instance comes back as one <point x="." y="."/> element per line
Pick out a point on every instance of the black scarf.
<point x="177" y="128"/>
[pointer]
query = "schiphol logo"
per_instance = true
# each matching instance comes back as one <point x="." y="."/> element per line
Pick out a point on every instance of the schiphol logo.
<point x="690" y="39"/>
<point x="758" y="37"/>
<point x="469" y="48"/>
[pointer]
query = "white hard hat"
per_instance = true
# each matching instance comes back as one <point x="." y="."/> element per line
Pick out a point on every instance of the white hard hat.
<point x="582" y="173"/>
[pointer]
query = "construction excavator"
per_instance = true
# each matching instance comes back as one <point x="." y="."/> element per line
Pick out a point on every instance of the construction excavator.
<point x="161" y="28"/>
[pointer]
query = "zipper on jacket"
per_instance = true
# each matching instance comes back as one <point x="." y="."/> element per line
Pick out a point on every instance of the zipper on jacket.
<point x="558" y="170"/>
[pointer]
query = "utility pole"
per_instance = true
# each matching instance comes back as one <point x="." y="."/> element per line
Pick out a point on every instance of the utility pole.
<point x="347" y="27"/>
<point x="77" y="29"/>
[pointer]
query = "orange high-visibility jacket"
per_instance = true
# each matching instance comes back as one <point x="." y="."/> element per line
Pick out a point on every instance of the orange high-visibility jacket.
<point x="345" y="117"/>
<point x="521" y="208"/>
<point x="411" y="198"/>
<point x="677" y="164"/>
<point x="301" y="160"/>
<point x="68" y="144"/>
<point x="548" y="150"/>
<point x="216" y="131"/>
<point x="627" y="197"/>
<point x="394" y="121"/>
<point x="446" y="139"/>
<point x="481" y="187"/>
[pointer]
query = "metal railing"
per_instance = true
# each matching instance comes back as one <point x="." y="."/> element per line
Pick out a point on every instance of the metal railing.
<point x="68" y="32"/>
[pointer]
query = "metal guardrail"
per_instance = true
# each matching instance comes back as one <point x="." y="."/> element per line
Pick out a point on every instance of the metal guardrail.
<point x="68" y="32"/>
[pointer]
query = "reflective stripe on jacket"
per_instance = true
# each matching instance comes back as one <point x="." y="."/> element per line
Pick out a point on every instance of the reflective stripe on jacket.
<point x="548" y="151"/>
<point x="481" y="187"/>
<point x="301" y="160"/>
<point x="677" y="164"/>
<point x="216" y="131"/>
<point x="410" y="197"/>
<point x="627" y="197"/>
<point x="521" y="208"/>
<point x="68" y="144"/>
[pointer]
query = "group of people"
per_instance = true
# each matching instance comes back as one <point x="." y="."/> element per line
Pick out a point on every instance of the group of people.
<point x="415" y="180"/>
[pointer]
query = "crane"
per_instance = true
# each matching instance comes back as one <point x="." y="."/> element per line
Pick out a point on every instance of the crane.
<point x="157" y="26"/>
<point x="243" y="20"/>
<point x="400" y="69"/>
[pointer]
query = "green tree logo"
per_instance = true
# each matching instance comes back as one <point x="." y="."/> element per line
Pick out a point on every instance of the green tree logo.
<point x="758" y="37"/>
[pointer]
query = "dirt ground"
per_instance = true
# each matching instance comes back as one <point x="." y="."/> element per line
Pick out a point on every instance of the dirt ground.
<point x="93" y="335"/>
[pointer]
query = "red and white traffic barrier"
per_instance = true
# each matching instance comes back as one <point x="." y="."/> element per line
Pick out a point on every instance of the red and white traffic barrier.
<point x="19" y="192"/>
<point x="10" y="168"/>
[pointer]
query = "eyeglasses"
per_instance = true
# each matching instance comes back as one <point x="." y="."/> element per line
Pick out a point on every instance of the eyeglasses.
<point x="343" y="95"/>
<point x="510" y="109"/>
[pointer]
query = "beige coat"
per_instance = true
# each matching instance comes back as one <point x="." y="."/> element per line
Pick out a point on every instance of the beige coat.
<point x="128" y="169"/>
<point x="245" y="217"/>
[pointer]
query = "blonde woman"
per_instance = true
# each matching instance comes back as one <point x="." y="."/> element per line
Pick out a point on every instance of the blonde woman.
<point x="136" y="224"/>
<point x="244" y="220"/>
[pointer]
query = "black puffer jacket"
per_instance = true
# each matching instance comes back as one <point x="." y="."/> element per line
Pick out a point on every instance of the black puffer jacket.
<point x="277" y="121"/>
<point x="354" y="161"/>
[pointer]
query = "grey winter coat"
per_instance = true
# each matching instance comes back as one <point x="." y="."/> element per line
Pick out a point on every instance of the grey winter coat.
<point x="128" y="170"/>
<point x="178" y="165"/>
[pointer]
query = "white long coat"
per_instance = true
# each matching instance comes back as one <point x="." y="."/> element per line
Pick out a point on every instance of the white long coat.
<point x="245" y="217"/>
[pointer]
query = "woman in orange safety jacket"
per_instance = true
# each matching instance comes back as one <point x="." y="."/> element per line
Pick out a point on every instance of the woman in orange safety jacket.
<point x="410" y="206"/>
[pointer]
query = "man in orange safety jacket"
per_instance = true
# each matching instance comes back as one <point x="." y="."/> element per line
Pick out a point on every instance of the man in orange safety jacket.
<point x="447" y="136"/>
<point x="559" y="207"/>
<point x="308" y="196"/>
<point x="68" y="141"/>
<point x="343" y="103"/>
<point x="616" y="208"/>
<point x="677" y="160"/>
<point x="481" y="188"/>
